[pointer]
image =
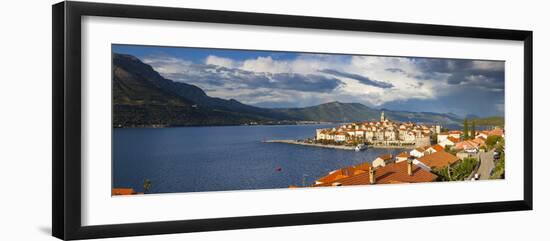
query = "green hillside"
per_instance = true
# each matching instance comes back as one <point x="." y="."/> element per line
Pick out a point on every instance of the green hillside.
<point x="490" y="121"/>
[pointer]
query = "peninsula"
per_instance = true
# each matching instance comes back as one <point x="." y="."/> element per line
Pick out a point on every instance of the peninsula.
<point x="379" y="134"/>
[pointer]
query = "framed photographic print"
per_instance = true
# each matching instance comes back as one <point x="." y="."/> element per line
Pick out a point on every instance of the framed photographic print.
<point x="170" y="120"/>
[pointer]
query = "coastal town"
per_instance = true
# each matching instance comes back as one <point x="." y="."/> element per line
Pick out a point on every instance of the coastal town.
<point x="380" y="133"/>
<point x="436" y="155"/>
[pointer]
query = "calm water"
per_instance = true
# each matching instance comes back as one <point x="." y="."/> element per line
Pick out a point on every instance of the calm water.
<point x="193" y="159"/>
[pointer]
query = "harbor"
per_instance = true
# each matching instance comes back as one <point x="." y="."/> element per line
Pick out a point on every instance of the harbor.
<point x="302" y="143"/>
<point x="341" y="147"/>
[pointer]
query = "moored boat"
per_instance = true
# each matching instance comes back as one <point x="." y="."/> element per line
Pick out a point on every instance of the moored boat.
<point x="360" y="147"/>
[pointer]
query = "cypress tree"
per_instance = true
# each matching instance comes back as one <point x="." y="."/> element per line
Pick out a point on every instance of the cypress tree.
<point x="465" y="131"/>
<point x="473" y="130"/>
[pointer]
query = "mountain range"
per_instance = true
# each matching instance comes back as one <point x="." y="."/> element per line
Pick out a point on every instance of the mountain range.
<point x="142" y="98"/>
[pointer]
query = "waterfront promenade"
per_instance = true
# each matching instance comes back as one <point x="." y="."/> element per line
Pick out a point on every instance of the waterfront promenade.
<point x="294" y="142"/>
<point x="341" y="147"/>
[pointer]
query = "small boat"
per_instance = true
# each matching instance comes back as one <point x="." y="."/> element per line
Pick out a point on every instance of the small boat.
<point x="360" y="147"/>
<point x="279" y="169"/>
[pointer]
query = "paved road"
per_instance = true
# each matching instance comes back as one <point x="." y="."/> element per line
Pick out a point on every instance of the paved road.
<point x="486" y="165"/>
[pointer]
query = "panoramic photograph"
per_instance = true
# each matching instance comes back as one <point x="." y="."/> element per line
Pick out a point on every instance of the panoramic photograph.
<point x="187" y="119"/>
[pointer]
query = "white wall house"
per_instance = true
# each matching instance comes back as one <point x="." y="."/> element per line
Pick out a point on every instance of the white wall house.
<point x="379" y="135"/>
<point x="441" y="137"/>
<point x="409" y="137"/>
<point x="417" y="152"/>
<point x="340" y="137"/>
<point x="369" y="135"/>
<point x="320" y="134"/>
<point x="382" y="161"/>
<point x="446" y="142"/>
<point x="402" y="157"/>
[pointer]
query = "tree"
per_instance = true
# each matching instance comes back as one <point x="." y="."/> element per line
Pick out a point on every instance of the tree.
<point x="147" y="185"/>
<point x="465" y="131"/>
<point x="458" y="172"/>
<point x="473" y="130"/>
<point x="492" y="141"/>
<point x="499" y="170"/>
<point x="443" y="174"/>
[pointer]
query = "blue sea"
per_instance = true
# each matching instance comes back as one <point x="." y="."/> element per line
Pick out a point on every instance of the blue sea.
<point x="197" y="159"/>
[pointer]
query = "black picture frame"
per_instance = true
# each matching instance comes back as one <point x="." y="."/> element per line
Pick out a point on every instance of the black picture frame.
<point x="66" y="159"/>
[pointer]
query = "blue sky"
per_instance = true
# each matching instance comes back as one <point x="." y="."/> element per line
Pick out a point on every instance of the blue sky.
<point x="290" y="79"/>
<point x="197" y="54"/>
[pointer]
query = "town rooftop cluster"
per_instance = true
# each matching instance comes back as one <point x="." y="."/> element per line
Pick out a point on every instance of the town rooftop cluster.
<point x="421" y="164"/>
<point x="383" y="132"/>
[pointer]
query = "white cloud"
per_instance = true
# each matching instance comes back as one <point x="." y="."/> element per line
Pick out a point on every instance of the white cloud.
<point x="405" y="81"/>
<point x="220" y="61"/>
<point x="266" y="81"/>
<point x="168" y="65"/>
<point x="266" y="65"/>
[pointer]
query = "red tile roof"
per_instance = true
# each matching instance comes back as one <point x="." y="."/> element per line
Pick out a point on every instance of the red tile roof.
<point x="452" y="139"/>
<point x="122" y="191"/>
<point x="345" y="172"/>
<point x="467" y="144"/>
<point x="438" y="147"/>
<point x="365" y="166"/>
<point x="331" y="177"/>
<point x="438" y="159"/>
<point x="404" y="154"/>
<point x="391" y="173"/>
<point x="496" y="132"/>
<point x="385" y="157"/>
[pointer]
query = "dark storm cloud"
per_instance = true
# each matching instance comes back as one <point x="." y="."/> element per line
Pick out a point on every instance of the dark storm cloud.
<point x="222" y="76"/>
<point x="462" y="101"/>
<point x="363" y="79"/>
<point x="310" y="82"/>
<point x="464" y="72"/>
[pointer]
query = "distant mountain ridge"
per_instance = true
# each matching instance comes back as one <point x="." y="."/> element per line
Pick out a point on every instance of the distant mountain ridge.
<point x="142" y="97"/>
<point x="350" y="112"/>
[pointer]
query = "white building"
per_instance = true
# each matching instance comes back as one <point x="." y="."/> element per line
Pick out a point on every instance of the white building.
<point x="450" y="141"/>
<point x="382" y="160"/>
<point x="417" y="152"/>
<point x="442" y="137"/>
<point x="340" y="137"/>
